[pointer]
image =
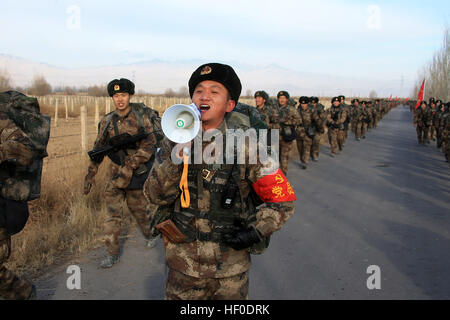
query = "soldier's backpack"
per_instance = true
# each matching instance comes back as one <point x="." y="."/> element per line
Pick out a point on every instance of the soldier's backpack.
<point x="257" y="119"/>
<point x="24" y="183"/>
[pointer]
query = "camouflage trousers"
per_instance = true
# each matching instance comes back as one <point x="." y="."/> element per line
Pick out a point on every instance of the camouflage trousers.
<point x="357" y="129"/>
<point x="139" y="208"/>
<point x="183" y="287"/>
<point x="11" y="287"/>
<point x="433" y="133"/>
<point x="304" y="144"/>
<point x="364" y="129"/>
<point x="446" y="146"/>
<point x="336" y="137"/>
<point x="376" y="118"/>
<point x="285" y="150"/>
<point x="422" y="134"/>
<point x="316" y="145"/>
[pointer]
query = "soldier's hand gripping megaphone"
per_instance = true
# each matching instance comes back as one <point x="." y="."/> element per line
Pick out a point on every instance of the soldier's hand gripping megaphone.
<point x="181" y="123"/>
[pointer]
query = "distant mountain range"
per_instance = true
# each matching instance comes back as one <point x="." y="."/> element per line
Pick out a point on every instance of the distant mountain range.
<point x="156" y="76"/>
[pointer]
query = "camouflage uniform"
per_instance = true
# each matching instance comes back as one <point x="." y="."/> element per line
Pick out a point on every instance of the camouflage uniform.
<point x="376" y="113"/>
<point x="422" y="121"/>
<point x="309" y="119"/>
<point x="14" y="144"/>
<point x="370" y="110"/>
<point x="116" y="191"/>
<point x="444" y="128"/>
<point x="433" y="128"/>
<point x="289" y="117"/>
<point x="336" y="131"/>
<point x="271" y="116"/>
<point x="347" y="121"/>
<point x="365" y="120"/>
<point x="203" y="267"/>
<point x="357" y="116"/>
<point x="322" y="117"/>
<point x="437" y="124"/>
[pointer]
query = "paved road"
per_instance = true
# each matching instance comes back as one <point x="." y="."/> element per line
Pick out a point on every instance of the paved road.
<point x="384" y="202"/>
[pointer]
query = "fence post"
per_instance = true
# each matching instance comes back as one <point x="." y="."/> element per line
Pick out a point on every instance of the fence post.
<point x="96" y="113"/>
<point x="56" y="113"/>
<point x="84" y="128"/>
<point x="67" y="109"/>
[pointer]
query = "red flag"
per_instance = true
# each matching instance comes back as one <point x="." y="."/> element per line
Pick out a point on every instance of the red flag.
<point x="421" y="92"/>
<point x="390" y="98"/>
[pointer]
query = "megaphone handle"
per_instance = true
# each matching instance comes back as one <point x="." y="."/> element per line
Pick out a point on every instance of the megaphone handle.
<point x="185" y="196"/>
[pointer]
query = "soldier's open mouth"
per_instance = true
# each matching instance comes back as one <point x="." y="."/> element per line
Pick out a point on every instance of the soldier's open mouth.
<point x="204" y="107"/>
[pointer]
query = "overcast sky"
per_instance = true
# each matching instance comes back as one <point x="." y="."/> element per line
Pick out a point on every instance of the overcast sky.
<point x="380" y="39"/>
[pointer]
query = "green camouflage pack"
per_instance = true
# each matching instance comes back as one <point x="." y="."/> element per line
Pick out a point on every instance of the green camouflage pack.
<point x="24" y="184"/>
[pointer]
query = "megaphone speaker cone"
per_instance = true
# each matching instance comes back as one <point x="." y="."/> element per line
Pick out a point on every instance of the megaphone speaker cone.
<point x="181" y="123"/>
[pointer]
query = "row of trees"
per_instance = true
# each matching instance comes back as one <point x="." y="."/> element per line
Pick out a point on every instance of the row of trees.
<point x="436" y="73"/>
<point x="40" y="87"/>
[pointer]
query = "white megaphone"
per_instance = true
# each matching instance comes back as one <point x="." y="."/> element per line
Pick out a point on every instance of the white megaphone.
<point x="181" y="123"/>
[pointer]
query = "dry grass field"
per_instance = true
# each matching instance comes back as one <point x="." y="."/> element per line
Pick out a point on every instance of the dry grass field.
<point x="64" y="222"/>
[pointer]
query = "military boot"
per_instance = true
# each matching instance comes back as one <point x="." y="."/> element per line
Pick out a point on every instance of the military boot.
<point x="109" y="261"/>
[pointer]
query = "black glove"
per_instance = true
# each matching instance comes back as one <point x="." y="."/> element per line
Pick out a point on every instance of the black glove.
<point x="242" y="238"/>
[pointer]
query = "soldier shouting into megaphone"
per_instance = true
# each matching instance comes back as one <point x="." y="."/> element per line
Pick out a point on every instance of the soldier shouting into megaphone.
<point x="233" y="208"/>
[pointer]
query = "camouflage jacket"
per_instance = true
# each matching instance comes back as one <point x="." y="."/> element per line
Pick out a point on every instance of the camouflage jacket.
<point x="423" y="118"/>
<point x="121" y="176"/>
<point x="272" y="117"/>
<point x="336" y="117"/>
<point x="319" y="109"/>
<point x="309" y="121"/>
<point x="289" y="116"/>
<point x="202" y="258"/>
<point x="17" y="147"/>
<point x="356" y="113"/>
<point x="444" y="125"/>
<point x="366" y="114"/>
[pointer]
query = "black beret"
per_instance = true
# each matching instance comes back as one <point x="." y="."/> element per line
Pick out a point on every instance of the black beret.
<point x="431" y="100"/>
<point x="283" y="93"/>
<point x="439" y="100"/>
<point x="122" y="85"/>
<point x="363" y="102"/>
<point x="335" y="99"/>
<point x="355" y="100"/>
<point x="314" y="100"/>
<point x="341" y="97"/>
<point x="370" y="102"/>
<point x="262" y="94"/>
<point x="303" y="100"/>
<point x="221" y="73"/>
<point x="424" y="102"/>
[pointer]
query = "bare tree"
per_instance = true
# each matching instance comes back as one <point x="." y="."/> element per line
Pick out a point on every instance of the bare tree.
<point x="436" y="73"/>
<point x="40" y="86"/>
<point x="183" y="92"/>
<point x="373" y="94"/>
<point x="169" y="93"/>
<point x="5" y="81"/>
<point x="97" y="91"/>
